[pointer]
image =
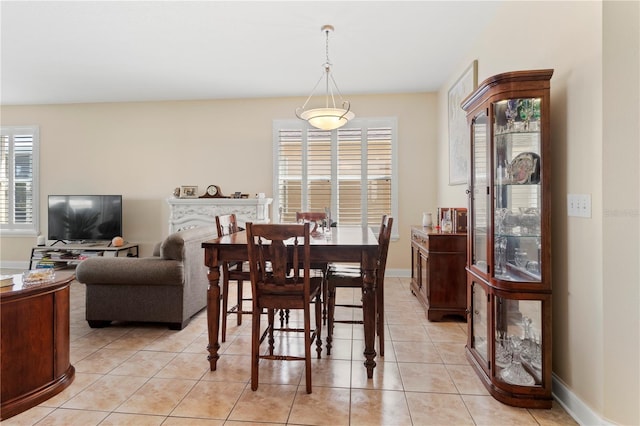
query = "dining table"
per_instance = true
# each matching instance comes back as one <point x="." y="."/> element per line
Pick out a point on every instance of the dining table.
<point x="350" y="244"/>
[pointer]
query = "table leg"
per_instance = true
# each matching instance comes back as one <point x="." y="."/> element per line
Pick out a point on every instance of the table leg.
<point x="379" y="288"/>
<point x="369" y="314"/>
<point x="213" y="315"/>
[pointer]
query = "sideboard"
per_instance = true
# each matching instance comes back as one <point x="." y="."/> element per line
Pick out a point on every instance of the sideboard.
<point x="193" y="212"/>
<point x="438" y="276"/>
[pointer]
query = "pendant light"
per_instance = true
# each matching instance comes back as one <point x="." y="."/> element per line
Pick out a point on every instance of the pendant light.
<point x="330" y="116"/>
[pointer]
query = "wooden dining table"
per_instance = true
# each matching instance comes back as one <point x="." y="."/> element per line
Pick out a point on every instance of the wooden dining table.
<point x="353" y="244"/>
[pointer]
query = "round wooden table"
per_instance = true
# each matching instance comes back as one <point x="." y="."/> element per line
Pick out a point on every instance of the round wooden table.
<point x="34" y="342"/>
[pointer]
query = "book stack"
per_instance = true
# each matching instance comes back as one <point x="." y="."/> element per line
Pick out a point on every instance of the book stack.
<point x="6" y="280"/>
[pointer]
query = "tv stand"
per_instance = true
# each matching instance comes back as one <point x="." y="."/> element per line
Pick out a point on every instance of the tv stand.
<point x="73" y="253"/>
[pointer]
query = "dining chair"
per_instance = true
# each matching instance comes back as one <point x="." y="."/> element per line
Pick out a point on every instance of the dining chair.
<point x="314" y="218"/>
<point x="347" y="276"/>
<point x="276" y="284"/>
<point x="238" y="271"/>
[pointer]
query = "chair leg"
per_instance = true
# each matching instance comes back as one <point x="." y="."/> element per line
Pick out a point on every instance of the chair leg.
<point x="319" y="306"/>
<point x="330" y="317"/>
<point x="307" y="347"/>
<point x="255" y="347"/>
<point x="325" y="292"/>
<point x="239" y="311"/>
<point x="271" y="315"/>
<point x="225" y="296"/>
<point x="284" y="317"/>
<point x="380" y="317"/>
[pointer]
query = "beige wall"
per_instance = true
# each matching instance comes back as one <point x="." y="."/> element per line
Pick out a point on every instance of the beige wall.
<point x="621" y="211"/>
<point x="567" y="36"/>
<point x="144" y="150"/>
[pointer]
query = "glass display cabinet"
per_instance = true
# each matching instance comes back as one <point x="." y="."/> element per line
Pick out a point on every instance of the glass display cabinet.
<point x="509" y="237"/>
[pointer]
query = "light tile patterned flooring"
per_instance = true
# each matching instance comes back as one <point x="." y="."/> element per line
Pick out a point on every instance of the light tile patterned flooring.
<point x="141" y="374"/>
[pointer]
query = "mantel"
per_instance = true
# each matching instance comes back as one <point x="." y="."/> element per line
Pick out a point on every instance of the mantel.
<point x="193" y="212"/>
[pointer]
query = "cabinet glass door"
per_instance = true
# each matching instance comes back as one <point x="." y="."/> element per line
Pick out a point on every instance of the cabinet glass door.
<point x="517" y="190"/>
<point x="518" y="341"/>
<point x="479" y="322"/>
<point x="479" y="192"/>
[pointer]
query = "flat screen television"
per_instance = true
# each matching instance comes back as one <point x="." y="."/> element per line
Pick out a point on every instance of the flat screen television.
<point x="83" y="218"/>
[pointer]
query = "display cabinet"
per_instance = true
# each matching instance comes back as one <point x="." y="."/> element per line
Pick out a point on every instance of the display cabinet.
<point x="509" y="237"/>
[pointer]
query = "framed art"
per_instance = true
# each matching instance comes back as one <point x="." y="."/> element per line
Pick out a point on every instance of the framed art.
<point x="188" y="191"/>
<point x="458" y="129"/>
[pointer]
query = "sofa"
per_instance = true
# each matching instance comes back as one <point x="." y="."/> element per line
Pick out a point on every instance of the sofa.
<point x="168" y="287"/>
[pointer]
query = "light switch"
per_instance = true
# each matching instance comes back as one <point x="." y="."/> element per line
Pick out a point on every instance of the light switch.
<point x="579" y="205"/>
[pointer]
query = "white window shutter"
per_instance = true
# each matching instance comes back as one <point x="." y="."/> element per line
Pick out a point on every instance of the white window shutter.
<point x="19" y="180"/>
<point x="352" y="170"/>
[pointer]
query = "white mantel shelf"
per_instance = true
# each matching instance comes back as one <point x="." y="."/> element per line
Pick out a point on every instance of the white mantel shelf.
<point x="193" y="212"/>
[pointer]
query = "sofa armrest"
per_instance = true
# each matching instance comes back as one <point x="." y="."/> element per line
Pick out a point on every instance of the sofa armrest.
<point x="173" y="247"/>
<point x="130" y="271"/>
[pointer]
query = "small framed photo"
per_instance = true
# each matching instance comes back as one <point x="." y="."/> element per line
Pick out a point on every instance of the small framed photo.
<point x="188" y="191"/>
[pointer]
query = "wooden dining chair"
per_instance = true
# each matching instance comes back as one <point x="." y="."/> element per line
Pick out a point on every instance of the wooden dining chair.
<point x="232" y="271"/>
<point x="314" y="218"/>
<point x="272" y="249"/>
<point x="341" y="276"/>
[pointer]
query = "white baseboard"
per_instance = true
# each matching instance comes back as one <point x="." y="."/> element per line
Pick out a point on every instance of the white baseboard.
<point x="574" y="406"/>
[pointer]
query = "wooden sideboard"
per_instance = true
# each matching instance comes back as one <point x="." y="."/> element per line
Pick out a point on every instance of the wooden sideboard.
<point x="438" y="276"/>
<point x="34" y="342"/>
<point x="192" y="212"/>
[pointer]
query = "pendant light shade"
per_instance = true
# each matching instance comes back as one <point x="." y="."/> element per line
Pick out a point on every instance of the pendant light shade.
<point x="330" y="116"/>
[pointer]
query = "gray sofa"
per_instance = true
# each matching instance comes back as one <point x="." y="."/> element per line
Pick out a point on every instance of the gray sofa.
<point x="169" y="287"/>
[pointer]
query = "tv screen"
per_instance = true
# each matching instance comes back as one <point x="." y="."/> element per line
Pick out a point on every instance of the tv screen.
<point x="84" y="217"/>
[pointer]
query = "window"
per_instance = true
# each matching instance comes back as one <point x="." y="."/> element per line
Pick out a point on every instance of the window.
<point x="19" y="180"/>
<point x="352" y="170"/>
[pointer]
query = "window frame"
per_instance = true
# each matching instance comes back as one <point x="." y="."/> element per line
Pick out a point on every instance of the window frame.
<point x="23" y="229"/>
<point x="358" y="123"/>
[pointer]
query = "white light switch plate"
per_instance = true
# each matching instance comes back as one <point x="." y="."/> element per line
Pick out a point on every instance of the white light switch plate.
<point x="579" y="205"/>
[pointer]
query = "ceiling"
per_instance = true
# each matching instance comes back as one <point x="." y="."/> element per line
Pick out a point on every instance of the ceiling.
<point x="107" y="51"/>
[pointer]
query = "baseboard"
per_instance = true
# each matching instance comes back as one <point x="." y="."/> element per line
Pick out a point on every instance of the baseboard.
<point x="574" y="406"/>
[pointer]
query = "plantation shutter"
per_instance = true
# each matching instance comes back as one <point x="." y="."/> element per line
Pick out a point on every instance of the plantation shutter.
<point x="350" y="170"/>
<point x="18" y="172"/>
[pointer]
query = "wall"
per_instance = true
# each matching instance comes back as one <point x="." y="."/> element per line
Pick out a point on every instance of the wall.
<point x="567" y="36"/>
<point x="144" y="150"/>
<point x="621" y="210"/>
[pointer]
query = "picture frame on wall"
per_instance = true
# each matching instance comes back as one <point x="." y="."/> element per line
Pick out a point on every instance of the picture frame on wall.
<point x="458" y="129"/>
<point x="188" y="191"/>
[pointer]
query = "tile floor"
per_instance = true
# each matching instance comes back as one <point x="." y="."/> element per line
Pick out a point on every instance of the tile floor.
<point x="140" y="374"/>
